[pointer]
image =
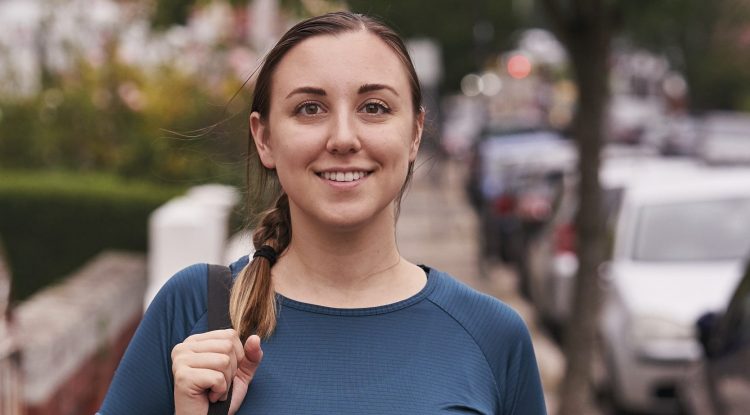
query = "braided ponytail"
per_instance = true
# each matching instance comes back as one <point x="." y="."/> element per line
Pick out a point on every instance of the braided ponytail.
<point x="252" y="303"/>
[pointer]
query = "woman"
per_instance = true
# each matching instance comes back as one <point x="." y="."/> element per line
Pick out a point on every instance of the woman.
<point x="347" y="325"/>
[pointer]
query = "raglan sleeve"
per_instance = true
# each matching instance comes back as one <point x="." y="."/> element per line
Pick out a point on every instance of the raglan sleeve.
<point x="523" y="386"/>
<point x="143" y="382"/>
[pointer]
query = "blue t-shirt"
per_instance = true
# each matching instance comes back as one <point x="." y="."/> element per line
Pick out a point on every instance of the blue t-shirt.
<point x="447" y="349"/>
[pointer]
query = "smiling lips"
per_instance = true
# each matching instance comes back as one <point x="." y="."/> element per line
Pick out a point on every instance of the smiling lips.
<point x="349" y="176"/>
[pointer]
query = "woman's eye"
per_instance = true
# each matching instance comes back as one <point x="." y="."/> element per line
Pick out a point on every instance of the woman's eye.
<point x="309" y="108"/>
<point x="375" y="108"/>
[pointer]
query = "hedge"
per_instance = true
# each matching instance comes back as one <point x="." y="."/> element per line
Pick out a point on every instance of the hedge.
<point x="52" y="222"/>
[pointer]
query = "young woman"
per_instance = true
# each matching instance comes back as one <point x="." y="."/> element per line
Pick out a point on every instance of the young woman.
<point x="345" y="324"/>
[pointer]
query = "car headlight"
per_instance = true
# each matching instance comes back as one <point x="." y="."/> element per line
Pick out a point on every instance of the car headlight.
<point x="652" y="328"/>
<point x="660" y="339"/>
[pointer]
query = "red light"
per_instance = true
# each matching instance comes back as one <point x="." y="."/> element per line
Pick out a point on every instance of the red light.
<point x="519" y="67"/>
<point x="504" y="204"/>
<point x="565" y="238"/>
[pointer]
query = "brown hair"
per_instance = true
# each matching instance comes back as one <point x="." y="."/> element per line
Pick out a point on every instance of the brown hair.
<point x="253" y="303"/>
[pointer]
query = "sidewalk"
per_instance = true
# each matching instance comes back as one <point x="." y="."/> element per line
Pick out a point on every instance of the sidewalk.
<point x="438" y="227"/>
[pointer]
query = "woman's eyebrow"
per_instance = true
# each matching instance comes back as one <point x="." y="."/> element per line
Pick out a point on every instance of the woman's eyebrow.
<point x="307" y="90"/>
<point x="375" y="87"/>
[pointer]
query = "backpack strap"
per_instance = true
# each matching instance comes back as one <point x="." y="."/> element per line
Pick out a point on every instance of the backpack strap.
<point x="219" y="284"/>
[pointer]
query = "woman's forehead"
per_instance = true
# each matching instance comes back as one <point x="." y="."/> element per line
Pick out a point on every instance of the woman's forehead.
<point x="345" y="60"/>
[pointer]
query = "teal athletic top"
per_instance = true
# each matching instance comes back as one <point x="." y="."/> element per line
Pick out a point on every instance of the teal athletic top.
<point x="447" y="349"/>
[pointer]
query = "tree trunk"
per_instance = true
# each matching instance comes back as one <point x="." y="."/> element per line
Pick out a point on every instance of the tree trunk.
<point x="584" y="28"/>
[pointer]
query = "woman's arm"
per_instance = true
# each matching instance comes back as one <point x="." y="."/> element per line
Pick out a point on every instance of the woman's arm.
<point x="143" y="382"/>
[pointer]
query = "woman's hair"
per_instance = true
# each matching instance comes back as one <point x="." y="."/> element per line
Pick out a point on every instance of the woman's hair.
<point x="253" y="302"/>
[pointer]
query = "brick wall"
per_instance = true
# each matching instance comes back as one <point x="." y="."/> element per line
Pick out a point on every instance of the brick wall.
<point x="84" y="390"/>
<point x="10" y="394"/>
<point x="72" y="336"/>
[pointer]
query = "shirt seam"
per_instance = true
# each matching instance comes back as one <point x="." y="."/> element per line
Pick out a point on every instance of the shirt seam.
<point x="418" y="298"/>
<point x="192" y="326"/>
<point x="354" y="312"/>
<point x="481" y="349"/>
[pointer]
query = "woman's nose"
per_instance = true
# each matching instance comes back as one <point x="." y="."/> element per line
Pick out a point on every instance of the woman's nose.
<point x="343" y="136"/>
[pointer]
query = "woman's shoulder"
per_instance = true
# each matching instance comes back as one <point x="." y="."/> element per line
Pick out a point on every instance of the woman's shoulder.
<point x="185" y="279"/>
<point x="180" y="302"/>
<point x="190" y="283"/>
<point x="502" y="336"/>
<point x="483" y="316"/>
<point x="237" y="266"/>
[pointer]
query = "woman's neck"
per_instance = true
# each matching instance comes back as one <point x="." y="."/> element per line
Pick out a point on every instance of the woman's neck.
<point x="348" y="269"/>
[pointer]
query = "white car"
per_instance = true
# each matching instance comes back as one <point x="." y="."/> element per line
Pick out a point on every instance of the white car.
<point x="678" y="247"/>
<point x="724" y="138"/>
<point x="551" y="259"/>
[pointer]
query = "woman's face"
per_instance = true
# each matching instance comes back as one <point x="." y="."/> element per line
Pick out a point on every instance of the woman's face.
<point x="341" y="129"/>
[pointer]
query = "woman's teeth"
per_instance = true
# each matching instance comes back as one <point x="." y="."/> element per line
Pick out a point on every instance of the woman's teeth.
<point x="343" y="177"/>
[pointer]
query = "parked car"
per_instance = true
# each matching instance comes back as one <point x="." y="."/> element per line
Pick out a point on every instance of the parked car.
<point x="678" y="248"/>
<point x="550" y="260"/>
<point x="720" y="384"/>
<point x="674" y="136"/>
<point x="724" y="138"/>
<point x="630" y="116"/>
<point x="513" y="181"/>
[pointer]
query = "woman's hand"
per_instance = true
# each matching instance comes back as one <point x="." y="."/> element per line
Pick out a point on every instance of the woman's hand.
<point x="205" y="364"/>
<point x="245" y="371"/>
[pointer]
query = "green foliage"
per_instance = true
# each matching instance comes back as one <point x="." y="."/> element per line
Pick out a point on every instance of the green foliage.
<point x="160" y="126"/>
<point x="127" y="137"/>
<point x="452" y="24"/>
<point x="170" y="12"/>
<point x="176" y="12"/>
<point x="705" y="40"/>
<point x="51" y="223"/>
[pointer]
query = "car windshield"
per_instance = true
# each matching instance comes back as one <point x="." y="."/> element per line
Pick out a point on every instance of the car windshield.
<point x="695" y="231"/>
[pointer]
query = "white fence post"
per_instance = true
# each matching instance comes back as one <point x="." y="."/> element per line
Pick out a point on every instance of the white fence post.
<point x="187" y="230"/>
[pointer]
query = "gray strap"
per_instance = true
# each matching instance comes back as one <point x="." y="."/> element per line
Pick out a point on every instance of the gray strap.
<point x="219" y="284"/>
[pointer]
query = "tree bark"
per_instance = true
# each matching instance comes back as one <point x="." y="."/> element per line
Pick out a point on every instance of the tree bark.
<point x="584" y="28"/>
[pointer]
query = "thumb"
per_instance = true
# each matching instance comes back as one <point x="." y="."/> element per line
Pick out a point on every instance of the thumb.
<point x="246" y="368"/>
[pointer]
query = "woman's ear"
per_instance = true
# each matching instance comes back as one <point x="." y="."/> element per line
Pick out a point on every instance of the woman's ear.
<point x="259" y="131"/>
<point x="418" y="129"/>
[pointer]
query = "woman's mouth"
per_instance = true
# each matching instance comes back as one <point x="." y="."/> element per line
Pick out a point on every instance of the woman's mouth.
<point x="349" y="176"/>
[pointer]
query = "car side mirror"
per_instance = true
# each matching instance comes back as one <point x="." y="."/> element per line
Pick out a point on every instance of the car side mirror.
<point x="706" y="328"/>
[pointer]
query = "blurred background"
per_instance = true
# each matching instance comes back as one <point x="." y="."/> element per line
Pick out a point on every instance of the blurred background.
<point x="586" y="161"/>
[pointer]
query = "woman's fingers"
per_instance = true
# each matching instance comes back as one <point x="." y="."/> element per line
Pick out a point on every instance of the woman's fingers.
<point x="245" y="372"/>
<point x="252" y="357"/>
<point x="223" y="347"/>
<point x="220" y="363"/>
<point x="194" y="382"/>
<point x="217" y="350"/>
<point x="215" y="339"/>
<point x="204" y="366"/>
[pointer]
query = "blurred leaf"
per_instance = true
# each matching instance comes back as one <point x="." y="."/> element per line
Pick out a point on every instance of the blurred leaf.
<point x="171" y="12"/>
<point x="708" y="41"/>
<point x="164" y="126"/>
<point x="452" y="24"/>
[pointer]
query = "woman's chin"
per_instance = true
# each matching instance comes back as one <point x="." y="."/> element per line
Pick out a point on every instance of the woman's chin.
<point x="353" y="219"/>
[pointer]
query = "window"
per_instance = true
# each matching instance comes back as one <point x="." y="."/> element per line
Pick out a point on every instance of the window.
<point x="693" y="231"/>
